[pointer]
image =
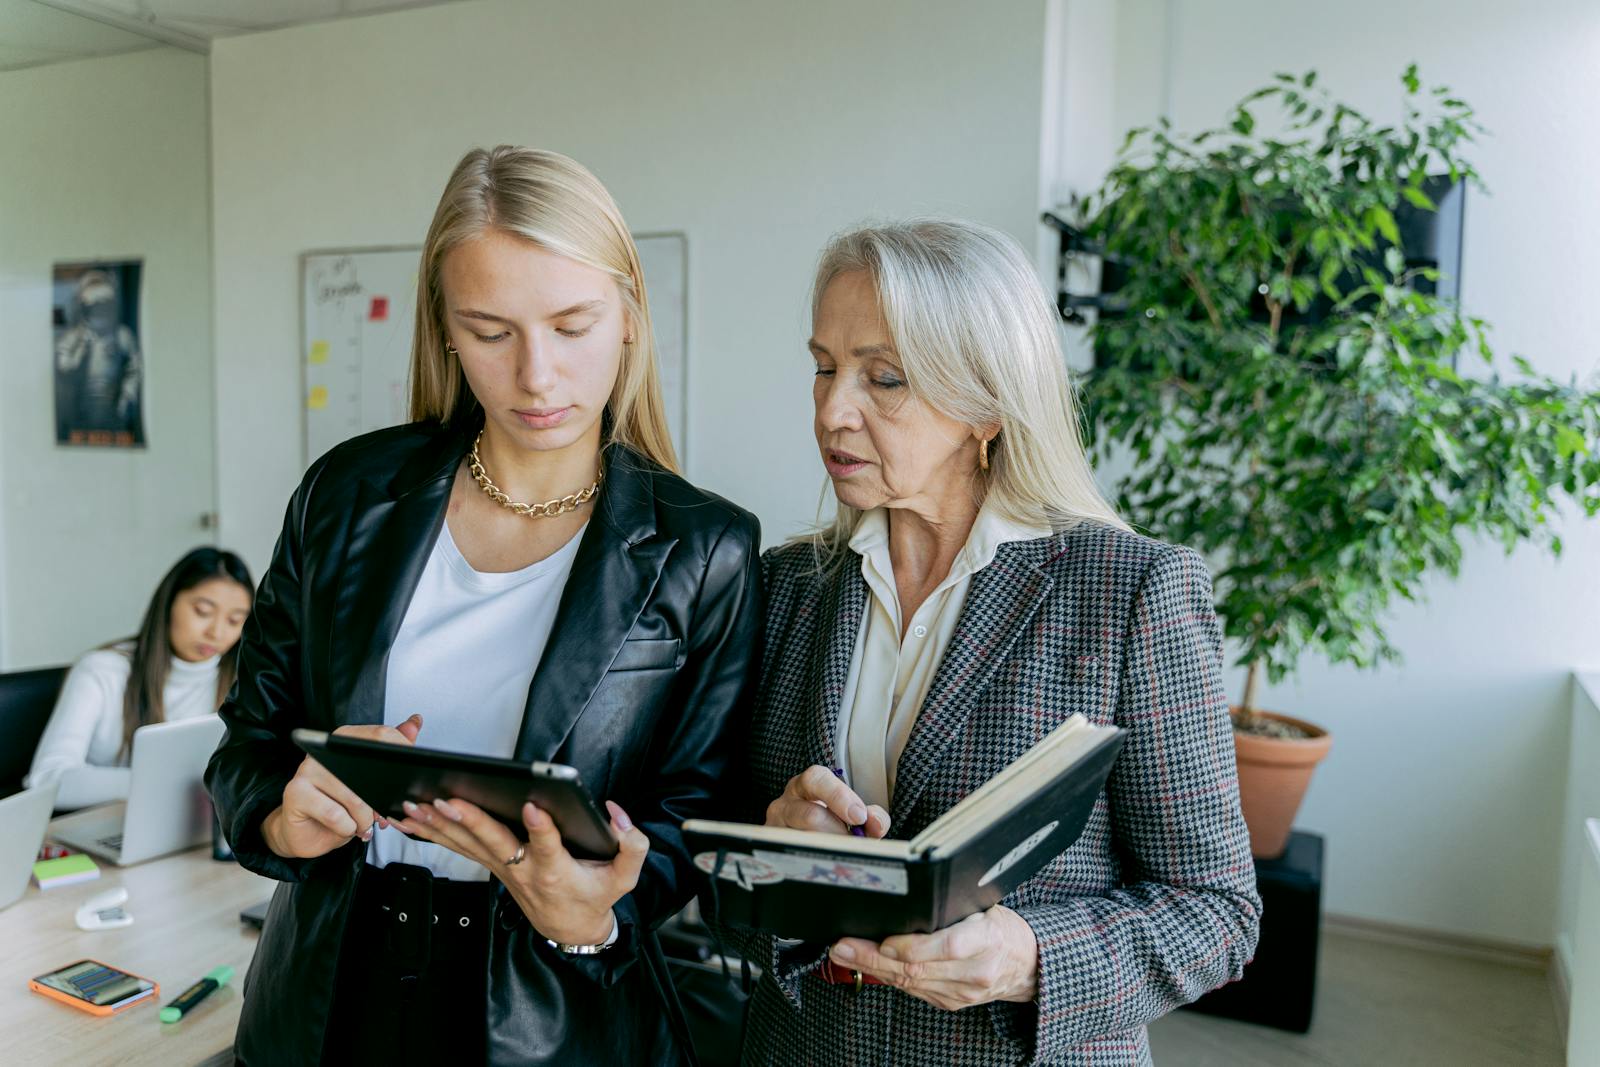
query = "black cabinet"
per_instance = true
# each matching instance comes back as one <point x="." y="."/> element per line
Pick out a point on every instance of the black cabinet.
<point x="1280" y="984"/>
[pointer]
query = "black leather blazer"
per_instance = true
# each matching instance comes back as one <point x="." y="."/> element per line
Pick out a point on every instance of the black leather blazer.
<point x="641" y="688"/>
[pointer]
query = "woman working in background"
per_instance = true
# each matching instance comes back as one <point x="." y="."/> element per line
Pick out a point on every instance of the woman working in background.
<point x="613" y="629"/>
<point x="180" y="665"/>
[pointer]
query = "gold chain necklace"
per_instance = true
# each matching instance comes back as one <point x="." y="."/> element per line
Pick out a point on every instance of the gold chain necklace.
<point x="548" y="510"/>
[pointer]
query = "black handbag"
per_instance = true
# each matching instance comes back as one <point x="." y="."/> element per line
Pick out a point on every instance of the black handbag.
<point x="705" y="1002"/>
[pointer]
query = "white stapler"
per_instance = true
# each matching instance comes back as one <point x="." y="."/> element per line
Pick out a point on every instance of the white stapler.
<point x="104" y="911"/>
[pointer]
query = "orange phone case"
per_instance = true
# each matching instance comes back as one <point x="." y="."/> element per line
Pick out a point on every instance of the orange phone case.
<point x="94" y="1009"/>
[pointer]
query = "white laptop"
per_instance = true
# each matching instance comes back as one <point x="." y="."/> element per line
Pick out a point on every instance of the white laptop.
<point x="167" y="808"/>
<point x="23" y="817"/>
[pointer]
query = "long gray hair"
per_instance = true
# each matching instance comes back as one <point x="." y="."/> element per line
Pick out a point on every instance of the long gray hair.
<point x="978" y="338"/>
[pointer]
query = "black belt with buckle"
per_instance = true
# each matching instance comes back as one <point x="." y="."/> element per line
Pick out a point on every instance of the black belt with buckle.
<point x="418" y="914"/>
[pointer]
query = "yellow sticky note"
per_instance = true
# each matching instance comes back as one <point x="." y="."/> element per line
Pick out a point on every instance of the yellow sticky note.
<point x="318" y="398"/>
<point x="319" y="351"/>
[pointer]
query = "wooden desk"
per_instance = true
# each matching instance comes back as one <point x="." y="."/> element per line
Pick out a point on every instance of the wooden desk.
<point x="185" y="909"/>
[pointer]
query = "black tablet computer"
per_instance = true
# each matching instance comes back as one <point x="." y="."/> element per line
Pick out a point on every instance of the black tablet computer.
<point x="385" y="774"/>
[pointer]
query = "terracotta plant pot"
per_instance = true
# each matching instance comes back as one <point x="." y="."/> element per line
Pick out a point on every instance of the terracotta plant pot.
<point x="1273" y="775"/>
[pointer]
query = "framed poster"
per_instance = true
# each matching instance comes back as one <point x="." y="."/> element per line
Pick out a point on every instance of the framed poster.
<point x="97" y="361"/>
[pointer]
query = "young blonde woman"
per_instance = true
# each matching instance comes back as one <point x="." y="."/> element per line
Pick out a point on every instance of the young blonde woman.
<point x="519" y="573"/>
<point x="975" y="591"/>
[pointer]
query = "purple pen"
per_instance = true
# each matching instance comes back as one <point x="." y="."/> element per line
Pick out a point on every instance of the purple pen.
<point x="855" y="831"/>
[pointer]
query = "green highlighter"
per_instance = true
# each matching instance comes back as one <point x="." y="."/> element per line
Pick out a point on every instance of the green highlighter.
<point x="202" y="989"/>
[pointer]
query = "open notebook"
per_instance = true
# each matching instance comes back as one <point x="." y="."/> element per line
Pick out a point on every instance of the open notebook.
<point x="808" y="884"/>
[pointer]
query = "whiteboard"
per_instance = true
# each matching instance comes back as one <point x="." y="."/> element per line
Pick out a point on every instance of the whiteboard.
<point x="358" y="307"/>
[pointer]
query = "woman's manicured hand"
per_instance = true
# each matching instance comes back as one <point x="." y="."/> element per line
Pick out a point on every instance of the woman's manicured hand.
<point x="989" y="956"/>
<point x="319" y="813"/>
<point x="567" y="900"/>
<point x="816" y="799"/>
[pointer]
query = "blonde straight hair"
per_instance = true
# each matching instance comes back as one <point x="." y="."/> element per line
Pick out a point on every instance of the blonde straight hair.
<point x="979" y="342"/>
<point x="555" y="203"/>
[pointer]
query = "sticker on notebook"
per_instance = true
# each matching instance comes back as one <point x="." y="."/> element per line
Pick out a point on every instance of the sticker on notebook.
<point x="848" y="871"/>
<point x="1012" y="858"/>
<point x="740" y="868"/>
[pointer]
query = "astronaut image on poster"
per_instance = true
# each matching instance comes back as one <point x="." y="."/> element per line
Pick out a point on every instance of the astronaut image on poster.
<point x="99" y="369"/>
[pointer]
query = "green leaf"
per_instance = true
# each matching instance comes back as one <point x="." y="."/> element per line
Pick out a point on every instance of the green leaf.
<point x="1419" y="198"/>
<point x="1243" y="122"/>
<point x="1412" y="82"/>
<point x="1328" y="275"/>
<point x="1569" y="442"/>
<point x="1444" y="372"/>
<point x="1383" y="219"/>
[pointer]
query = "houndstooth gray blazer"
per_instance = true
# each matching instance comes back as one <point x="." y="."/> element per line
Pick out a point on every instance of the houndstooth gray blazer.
<point x="1156" y="902"/>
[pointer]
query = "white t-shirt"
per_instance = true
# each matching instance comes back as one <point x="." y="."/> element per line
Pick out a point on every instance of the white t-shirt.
<point x="81" y="745"/>
<point x="464" y="658"/>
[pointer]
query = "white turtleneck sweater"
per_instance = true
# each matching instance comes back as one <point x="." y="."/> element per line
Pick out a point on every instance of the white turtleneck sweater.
<point x="80" y="748"/>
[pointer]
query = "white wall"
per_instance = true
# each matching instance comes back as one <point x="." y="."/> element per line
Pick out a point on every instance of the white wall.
<point x="1582" y="804"/>
<point x="1078" y="136"/>
<point x="1443" y="794"/>
<point x="101" y="159"/>
<point x="1583" y="1023"/>
<point x="757" y="127"/>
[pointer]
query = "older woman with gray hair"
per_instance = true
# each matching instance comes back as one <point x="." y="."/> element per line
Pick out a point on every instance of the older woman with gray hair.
<point x="975" y="590"/>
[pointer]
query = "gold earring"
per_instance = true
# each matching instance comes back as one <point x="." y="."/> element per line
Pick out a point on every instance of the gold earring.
<point x="983" y="454"/>
<point x="450" y="348"/>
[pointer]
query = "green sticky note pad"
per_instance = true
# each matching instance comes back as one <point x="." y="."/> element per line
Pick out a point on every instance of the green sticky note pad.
<point x="64" y="871"/>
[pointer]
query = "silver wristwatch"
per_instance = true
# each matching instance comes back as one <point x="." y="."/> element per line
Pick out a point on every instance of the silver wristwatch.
<point x="589" y="950"/>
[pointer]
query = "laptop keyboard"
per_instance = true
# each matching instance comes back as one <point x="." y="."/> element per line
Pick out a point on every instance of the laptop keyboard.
<point x="112" y="841"/>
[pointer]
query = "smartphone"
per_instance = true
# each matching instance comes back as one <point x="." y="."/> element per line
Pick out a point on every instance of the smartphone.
<point x="91" y="986"/>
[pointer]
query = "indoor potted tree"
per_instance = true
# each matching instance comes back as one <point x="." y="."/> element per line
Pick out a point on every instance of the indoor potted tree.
<point x="1281" y="385"/>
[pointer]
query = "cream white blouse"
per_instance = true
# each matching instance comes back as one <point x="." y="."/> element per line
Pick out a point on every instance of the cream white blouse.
<point x="889" y="677"/>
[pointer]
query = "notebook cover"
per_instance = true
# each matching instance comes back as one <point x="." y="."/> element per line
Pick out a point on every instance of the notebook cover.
<point x="820" y="895"/>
